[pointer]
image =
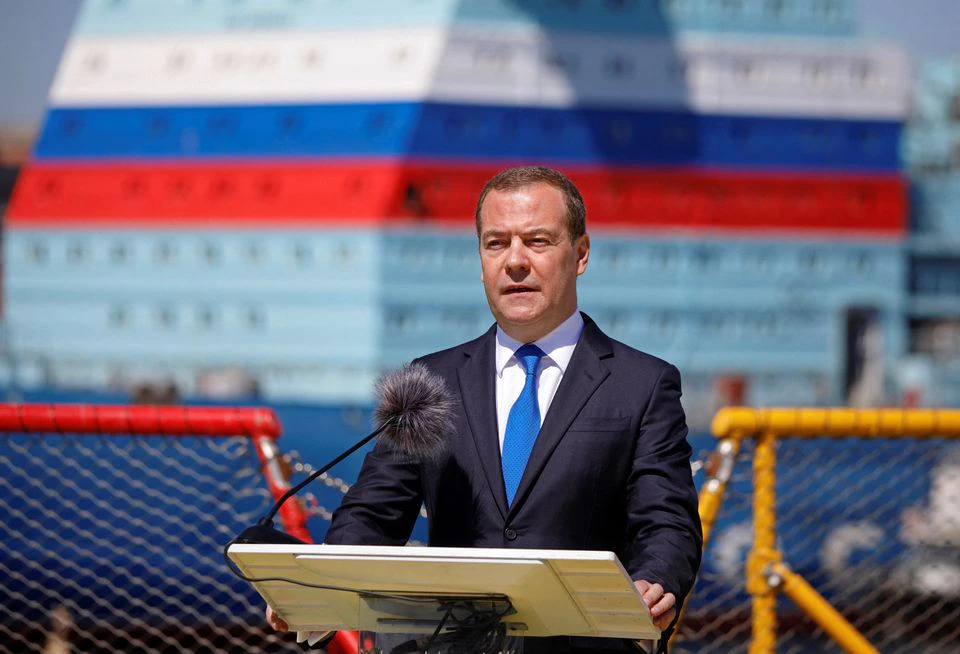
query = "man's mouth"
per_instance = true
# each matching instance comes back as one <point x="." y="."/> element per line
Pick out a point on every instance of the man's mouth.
<point x="511" y="290"/>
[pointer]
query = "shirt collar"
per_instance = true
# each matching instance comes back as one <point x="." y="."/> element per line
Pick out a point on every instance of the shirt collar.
<point x="558" y="345"/>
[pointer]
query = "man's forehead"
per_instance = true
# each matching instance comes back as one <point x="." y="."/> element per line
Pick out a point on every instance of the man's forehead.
<point x="539" y="204"/>
<point x="535" y="193"/>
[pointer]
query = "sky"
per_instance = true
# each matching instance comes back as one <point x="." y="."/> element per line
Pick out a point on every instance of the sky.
<point x="33" y="33"/>
<point x="32" y="36"/>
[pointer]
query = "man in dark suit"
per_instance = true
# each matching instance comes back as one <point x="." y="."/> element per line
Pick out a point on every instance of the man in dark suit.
<point x="565" y="438"/>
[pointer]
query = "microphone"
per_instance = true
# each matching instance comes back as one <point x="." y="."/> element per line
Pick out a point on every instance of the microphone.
<point x="414" y="413"/>
<point x="417" y="410"/>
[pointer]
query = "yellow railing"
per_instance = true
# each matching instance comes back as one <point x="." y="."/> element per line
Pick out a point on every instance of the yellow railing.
<point x="766" y="573"/>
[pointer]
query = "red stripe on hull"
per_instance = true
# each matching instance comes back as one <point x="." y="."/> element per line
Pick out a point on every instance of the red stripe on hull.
<point x="137" y="195"/>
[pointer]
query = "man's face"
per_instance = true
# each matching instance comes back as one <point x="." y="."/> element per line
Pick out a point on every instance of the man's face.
<point x="529" y="263"/>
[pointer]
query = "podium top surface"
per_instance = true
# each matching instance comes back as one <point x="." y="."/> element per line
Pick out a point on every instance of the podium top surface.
<point x="554" y="592"/>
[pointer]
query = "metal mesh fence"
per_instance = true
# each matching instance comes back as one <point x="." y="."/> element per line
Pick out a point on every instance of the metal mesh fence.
<point x="113" y="544"/>
<point x="873" y="524"/>
<point x="717" y="616"/>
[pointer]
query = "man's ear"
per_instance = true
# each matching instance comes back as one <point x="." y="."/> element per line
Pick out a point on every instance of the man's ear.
<point x="583" y="253"/>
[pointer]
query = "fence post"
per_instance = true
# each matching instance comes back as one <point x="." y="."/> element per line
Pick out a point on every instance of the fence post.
<point x="711" y="497"/>
<point x="292" y="515"/>
<point x="764" y="553"/>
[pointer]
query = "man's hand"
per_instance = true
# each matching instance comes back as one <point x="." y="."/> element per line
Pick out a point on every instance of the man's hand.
<point x="662" y="605"/>
<point x="309" y="637"/>
<point x="275" y="621"/>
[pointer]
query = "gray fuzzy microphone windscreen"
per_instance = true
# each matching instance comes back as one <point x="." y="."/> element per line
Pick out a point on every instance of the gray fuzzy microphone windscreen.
<point x="419" y="409"/>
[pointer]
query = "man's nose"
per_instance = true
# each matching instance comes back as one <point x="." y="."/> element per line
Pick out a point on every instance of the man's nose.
<point x="517" y="257"/>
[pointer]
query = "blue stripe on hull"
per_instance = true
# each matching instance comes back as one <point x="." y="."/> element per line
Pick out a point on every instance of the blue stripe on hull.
<point x="584" y="135"/>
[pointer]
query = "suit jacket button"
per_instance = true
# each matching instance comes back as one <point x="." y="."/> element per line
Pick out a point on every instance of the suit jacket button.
<point x="510" y="533"/>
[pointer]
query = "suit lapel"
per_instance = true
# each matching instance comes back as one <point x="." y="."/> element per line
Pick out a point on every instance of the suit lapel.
<point x="478" y="390"/>
<point x="583" y="376"/>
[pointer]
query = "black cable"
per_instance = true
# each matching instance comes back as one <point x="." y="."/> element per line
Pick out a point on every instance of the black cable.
<point x="436" y="632"/>
<point x="268" y="519"/>
<point x="478" y="632"/>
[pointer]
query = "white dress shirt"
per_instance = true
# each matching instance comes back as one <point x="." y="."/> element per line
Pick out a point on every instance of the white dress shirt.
<point x="558" y="347"/>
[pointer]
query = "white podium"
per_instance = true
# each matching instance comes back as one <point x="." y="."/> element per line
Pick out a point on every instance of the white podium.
<point x="400" y="589"/>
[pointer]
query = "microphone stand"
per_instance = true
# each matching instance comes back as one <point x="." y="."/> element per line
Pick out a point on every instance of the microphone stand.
<point x="263" y="532"/>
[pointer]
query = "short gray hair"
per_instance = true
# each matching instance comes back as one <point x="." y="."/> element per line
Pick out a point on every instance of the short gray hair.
<point x="523" y="176"/>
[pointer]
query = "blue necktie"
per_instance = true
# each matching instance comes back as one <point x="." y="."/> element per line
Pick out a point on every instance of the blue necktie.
<point x="523" y="423"/>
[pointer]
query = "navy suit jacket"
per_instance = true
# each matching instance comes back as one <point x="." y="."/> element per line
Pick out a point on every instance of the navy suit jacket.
<point x="610" y="469"/>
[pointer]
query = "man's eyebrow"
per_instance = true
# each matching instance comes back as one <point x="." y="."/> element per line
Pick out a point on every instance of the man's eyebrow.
<point x="540" y="231"/>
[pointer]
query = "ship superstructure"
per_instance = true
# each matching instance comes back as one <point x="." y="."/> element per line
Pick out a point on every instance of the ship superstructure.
<point x="288" y="188"/>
